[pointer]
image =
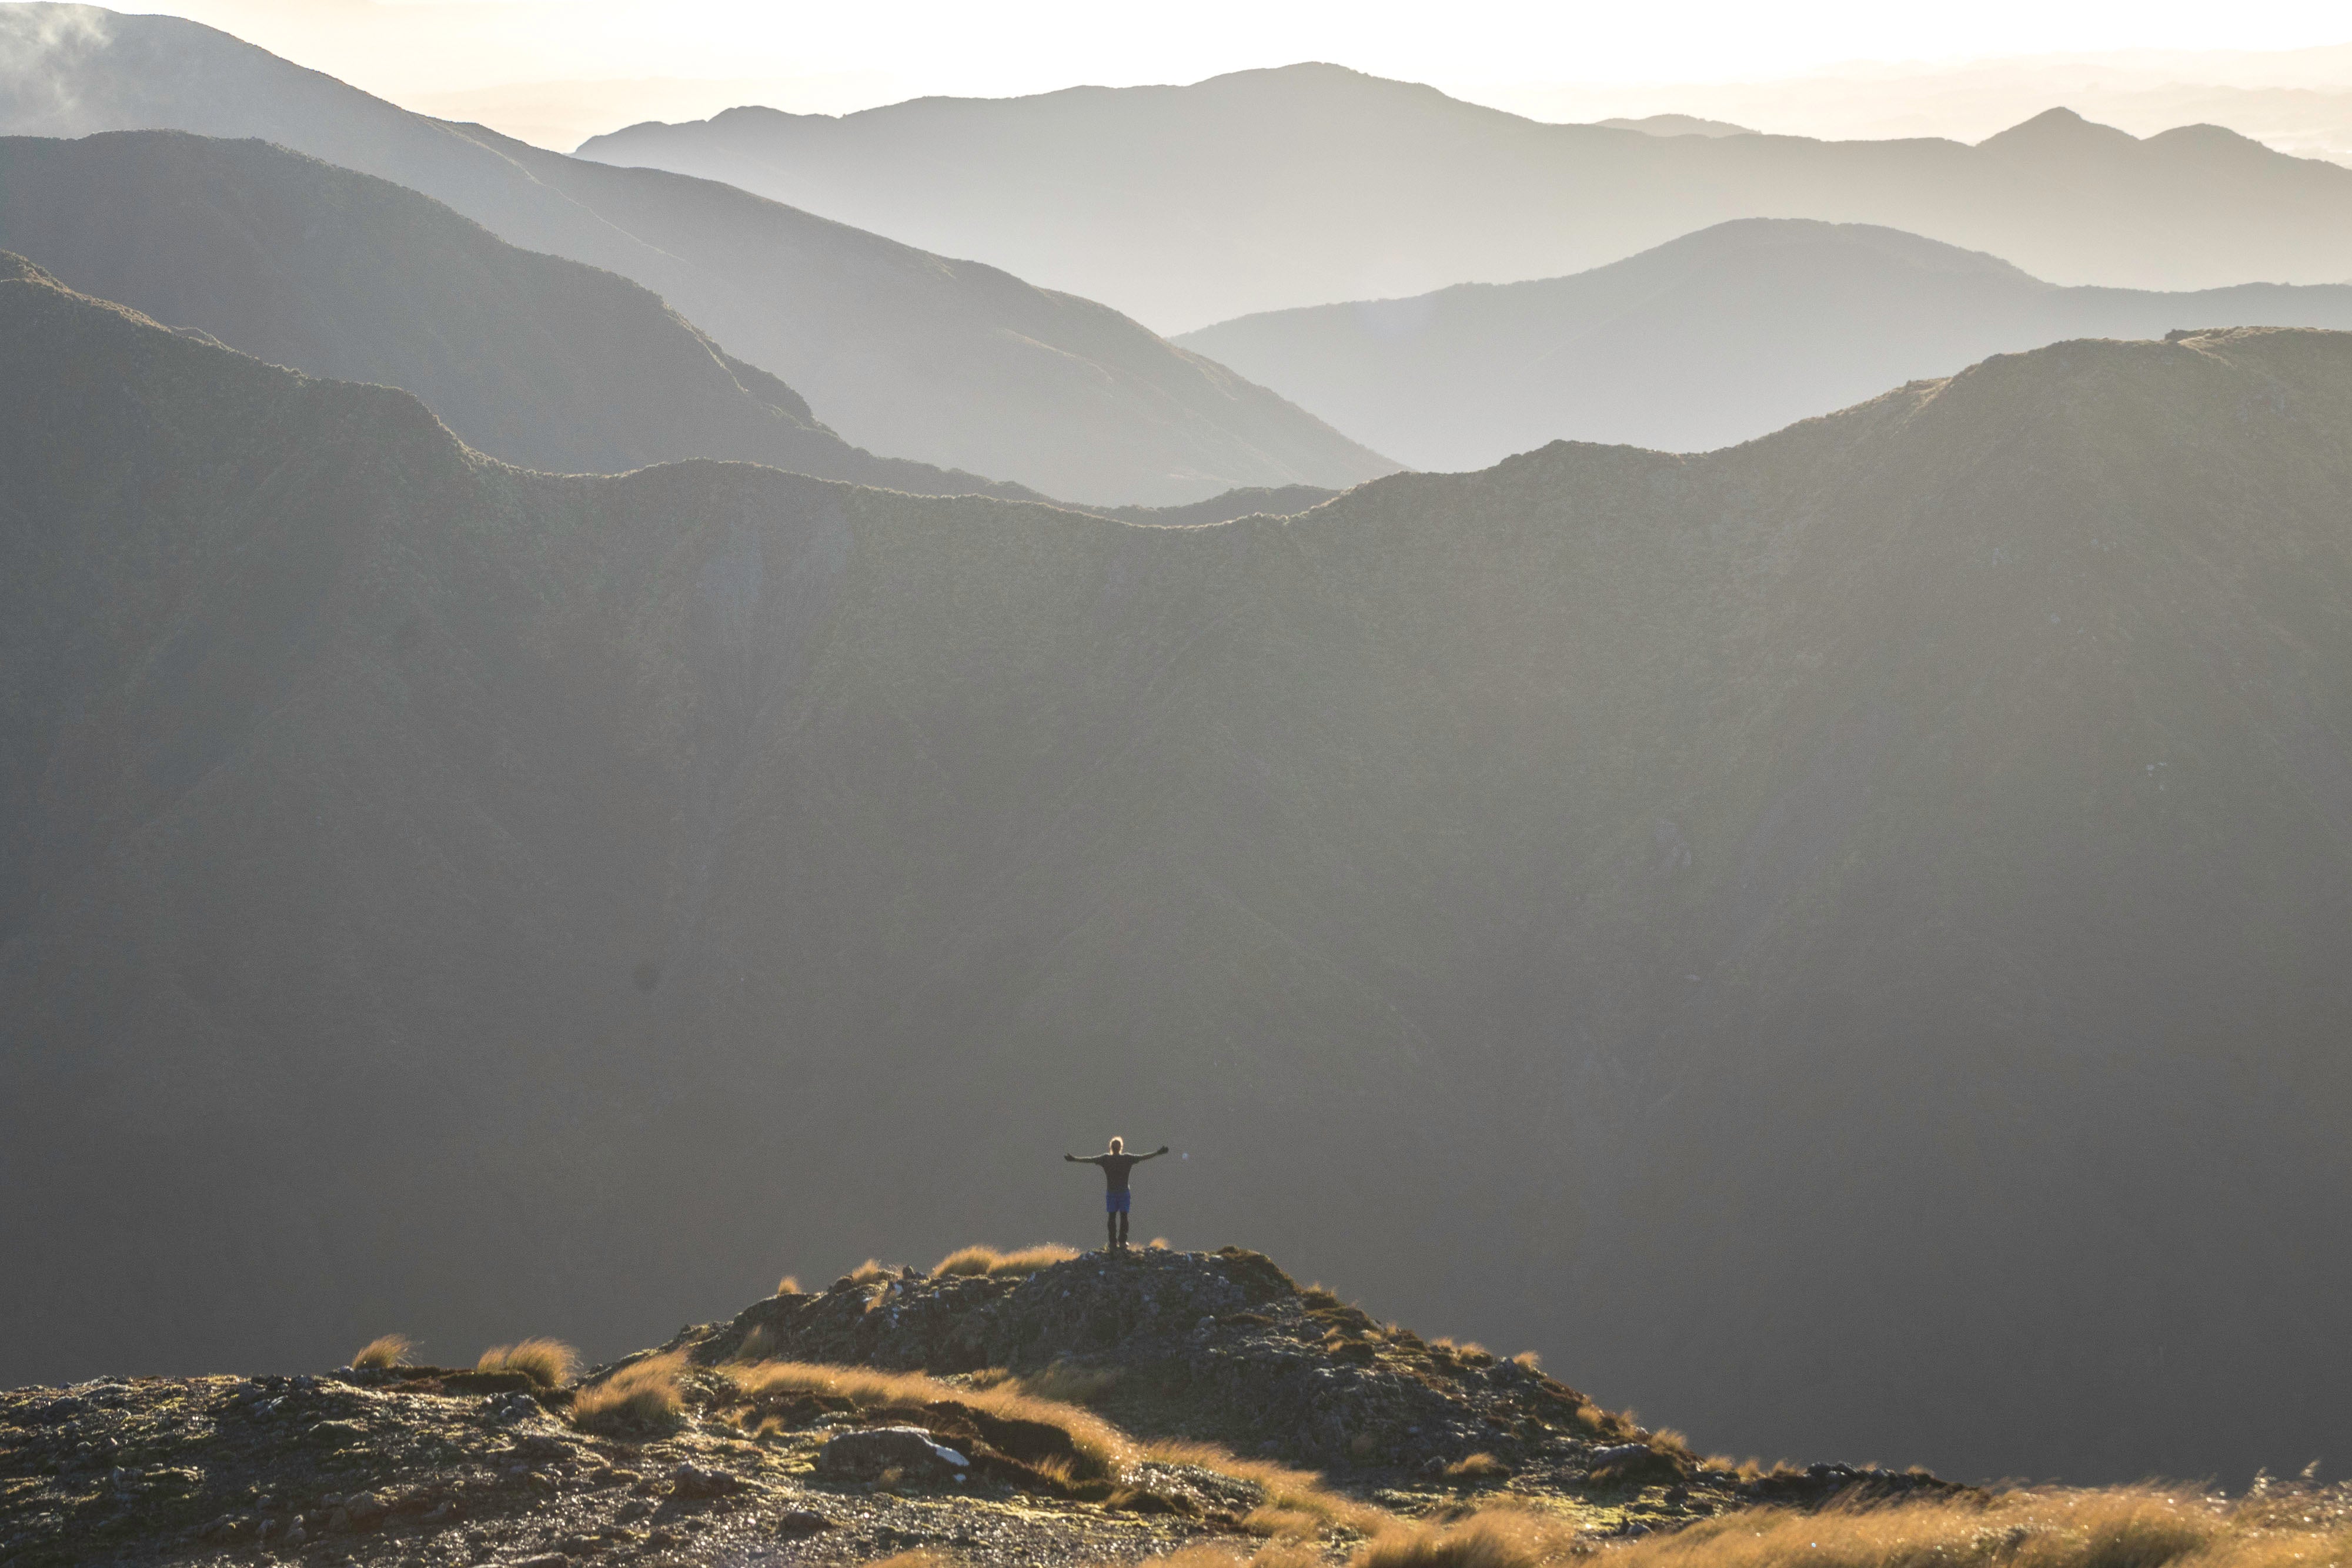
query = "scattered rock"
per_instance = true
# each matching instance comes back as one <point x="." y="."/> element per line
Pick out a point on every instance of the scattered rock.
<point x="872" y="1453"/>
<point x="690" y="1480"/>
<point x="800" y="1521"/>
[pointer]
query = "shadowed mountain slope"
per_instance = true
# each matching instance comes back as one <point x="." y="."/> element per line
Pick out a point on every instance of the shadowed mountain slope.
<point x="1839" y="938"/>
<point x="950" y="362"/>
<point x="1275" y="189"/>
<point x="1718" y="337"/>
<point x="531" y="359"/>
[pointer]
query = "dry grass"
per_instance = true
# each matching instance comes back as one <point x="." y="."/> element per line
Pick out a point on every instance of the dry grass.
<point x="988" y="1260"/>
<point x="2120" y="1527"/>
<point x="645" y="1394"/>
<point x="386" y="1350"/>
<point x="1157" y="1244"/>
<point x="1297" y="1505"/>
<point x="790" y="1285"/>
<point x="1491" y="1538"/>
<point x="1480" y="1466"/>
<point x="870" y="1272"/>
<point x="1105" y="1449"/>
<point x="919" y="1558"/>
<point x="546" y="1362"/>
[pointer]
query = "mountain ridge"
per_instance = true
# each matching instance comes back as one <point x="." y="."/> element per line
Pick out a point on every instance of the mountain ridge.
<point x="1296" y="186"/>
<point x="407" y="856"/>
<point x="1716" y="338"/>
<point x="948" y="362"/>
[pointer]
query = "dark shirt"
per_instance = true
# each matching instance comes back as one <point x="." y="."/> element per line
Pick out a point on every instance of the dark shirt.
<point x="1115" y="1168"/>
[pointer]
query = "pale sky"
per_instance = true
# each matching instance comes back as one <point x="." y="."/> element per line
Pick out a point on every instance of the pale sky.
<point x="612" y="61"/>
<point x="954" y="46"/>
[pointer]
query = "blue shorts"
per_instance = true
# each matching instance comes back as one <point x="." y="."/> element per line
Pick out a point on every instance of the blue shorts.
<point x="1117" y="1202"/>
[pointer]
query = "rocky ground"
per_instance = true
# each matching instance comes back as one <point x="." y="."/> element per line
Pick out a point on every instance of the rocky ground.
<point x="428" y="1467"/>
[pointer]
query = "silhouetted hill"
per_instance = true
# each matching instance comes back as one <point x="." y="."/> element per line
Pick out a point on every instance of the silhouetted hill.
<point x="1839" y="938"/>
<point x="1718" y="337"/>
<point x="1275" y="189"/>
<point x="540" y="361"/>
<point x="948" y="362"/>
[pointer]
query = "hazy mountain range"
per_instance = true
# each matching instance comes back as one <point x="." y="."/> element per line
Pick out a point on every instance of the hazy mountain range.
<point x="903" y="353"/>
<point x="540" y="361"/>
<point x="1273" y="189"/>
<point x="1839" y="938"/>
<point x="1715" y="338"/>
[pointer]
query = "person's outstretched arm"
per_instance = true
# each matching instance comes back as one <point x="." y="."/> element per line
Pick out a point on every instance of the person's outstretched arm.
<point x="1152" y="1156"/>
<point x="1084" y="1159"/>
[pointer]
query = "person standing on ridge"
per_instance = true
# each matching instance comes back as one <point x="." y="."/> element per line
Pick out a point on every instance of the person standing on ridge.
<point x="1116" y="1197"/>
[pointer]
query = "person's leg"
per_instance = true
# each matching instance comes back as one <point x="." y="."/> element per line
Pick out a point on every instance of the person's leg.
<point x="1122" y="1228"/>
<point x="1110" y="1225"/>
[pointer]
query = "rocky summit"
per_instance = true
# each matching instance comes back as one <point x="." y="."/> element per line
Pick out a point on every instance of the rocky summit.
<point x="1101" y="1409"/>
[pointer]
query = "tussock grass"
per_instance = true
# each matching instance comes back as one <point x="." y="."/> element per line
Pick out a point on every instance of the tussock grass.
<point x="1298" y="1504"/>
<point x="1103" y="1448"/>
<point x="1478" y="1466"/>
<point x="644" y="1394"/>
<point x="546" y="1362"/>
<point x="988" y="1261"/>
<point x="1491" y="1538"/>
<point x="2117" y="1526"/>
<point x="790" y="1285"/>
<point x="870" y="1273"/>
<point x="386" y="1350"/>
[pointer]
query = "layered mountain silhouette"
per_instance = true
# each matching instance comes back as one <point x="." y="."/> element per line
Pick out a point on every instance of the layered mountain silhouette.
<point x="1275" y="189"/>
<point x="1842" y="934"/>
<point x="544" y="362"/>
<point x="901" y="352"/>
<point x="1719" y="336"/>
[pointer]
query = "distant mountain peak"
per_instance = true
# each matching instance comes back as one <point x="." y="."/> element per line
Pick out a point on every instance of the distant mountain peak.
<point x="2058" y="127"/>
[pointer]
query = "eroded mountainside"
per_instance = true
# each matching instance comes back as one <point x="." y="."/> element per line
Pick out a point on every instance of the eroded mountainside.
<point x="901" y="352"/>
<point x="1588" y="901"/>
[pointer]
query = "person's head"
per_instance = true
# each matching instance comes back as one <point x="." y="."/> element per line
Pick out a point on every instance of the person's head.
<point x="1116" y="1145"/>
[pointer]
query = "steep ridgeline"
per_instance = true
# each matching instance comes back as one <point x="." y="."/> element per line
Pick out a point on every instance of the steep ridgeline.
<point x="1718" y="337"/>
<point x="903" y="353"/>
<point x="1839" y="939"/>
<point x="1267" y="190"/>
<point x="1205" y="1378"/>
<point x="531" y="359"/>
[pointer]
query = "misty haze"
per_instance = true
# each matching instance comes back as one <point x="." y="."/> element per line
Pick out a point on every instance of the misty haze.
<point x="1649" y="746"/>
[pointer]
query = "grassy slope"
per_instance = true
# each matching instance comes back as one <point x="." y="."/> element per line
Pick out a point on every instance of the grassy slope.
<point x="420" y="858"/>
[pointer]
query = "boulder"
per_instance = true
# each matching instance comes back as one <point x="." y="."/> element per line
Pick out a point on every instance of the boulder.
<point x="872" y="1453"/>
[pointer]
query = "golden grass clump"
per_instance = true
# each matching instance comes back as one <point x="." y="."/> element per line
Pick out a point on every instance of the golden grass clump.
<point x="988" y="1261"/>
<point x="870" y="1273"/>
<point x="1297" y="1505"/>
<point x="546" y="1362"/>
<point x="790" y="1285"/>
<point x="1478" y="1466"/>
<point x="386" y="1350"/>
<point x="1103" y="1448"/>
<point x="1491" y="1538"/>
<point x="644" y="1394"/>
<point x="2116" y="1527"/>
